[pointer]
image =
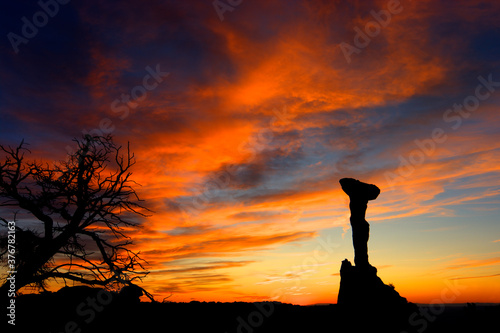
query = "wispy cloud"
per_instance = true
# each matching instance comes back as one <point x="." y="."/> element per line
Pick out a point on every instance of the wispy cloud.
<point x="475" y="277"/>
<point x="207" y="267"/>
<point x="286" y="277"/>
<point x="473" y="263"/>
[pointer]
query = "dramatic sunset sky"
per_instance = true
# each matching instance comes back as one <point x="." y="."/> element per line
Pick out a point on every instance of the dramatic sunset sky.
<point x="266" y="105"/>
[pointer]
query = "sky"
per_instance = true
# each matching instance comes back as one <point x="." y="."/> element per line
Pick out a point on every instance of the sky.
<point x="243" y="116"/>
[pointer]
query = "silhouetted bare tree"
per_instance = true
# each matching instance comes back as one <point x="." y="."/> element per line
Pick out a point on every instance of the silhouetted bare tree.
<point x="79" y="211"/>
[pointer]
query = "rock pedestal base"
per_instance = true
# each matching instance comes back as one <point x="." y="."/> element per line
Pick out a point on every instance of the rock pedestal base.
<point x="367" y="302"/>
<point x="362" y="286"/>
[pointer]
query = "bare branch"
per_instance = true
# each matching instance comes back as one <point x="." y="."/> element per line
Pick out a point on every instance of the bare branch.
<point x="91" y="188"/>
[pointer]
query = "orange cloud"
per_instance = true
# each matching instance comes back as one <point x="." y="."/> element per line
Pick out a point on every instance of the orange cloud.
<point x="469" y="263"/>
